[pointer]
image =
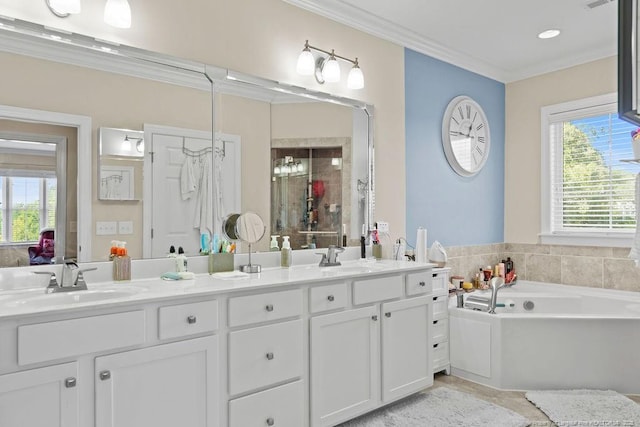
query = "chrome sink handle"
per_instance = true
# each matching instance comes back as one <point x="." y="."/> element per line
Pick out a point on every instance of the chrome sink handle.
<point x="53" y="282"/>
<point x="80" y="284"/>
<point x="331" y="257"/>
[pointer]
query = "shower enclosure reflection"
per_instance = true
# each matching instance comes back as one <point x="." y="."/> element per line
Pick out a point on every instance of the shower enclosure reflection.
<point x="307" y="195"/>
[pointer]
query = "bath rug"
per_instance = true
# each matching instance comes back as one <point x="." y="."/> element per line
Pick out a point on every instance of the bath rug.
<point x="441" y="407"/>
<point x="586" y="407"/>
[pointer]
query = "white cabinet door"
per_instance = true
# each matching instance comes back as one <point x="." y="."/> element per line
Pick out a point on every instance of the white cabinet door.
<point x="406" y="347"/>
<point x="345" y="365"/>
<point x="164" y="386"/>
<point x="44" y="397"/>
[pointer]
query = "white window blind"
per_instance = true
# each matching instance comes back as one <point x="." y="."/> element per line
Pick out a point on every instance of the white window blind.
<point x="591" y="189"/>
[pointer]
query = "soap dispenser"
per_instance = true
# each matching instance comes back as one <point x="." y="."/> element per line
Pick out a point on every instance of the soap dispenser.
<point x="274" y="243"/>
<point x="181" y="260"/>
<point x="285" y="253"/>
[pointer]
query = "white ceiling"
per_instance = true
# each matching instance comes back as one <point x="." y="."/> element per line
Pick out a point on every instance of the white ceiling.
<point x="495" y="38"/>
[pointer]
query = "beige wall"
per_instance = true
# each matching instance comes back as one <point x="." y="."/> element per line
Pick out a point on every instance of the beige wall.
<point x="523" y="135"/>
<point x="264" y="38"/>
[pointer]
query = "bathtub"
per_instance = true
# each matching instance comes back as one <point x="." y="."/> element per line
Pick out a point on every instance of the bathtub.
<point x="550" y="337"/>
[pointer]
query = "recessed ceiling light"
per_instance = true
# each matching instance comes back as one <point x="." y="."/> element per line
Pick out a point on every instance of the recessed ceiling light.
<point x="548" y="34"/>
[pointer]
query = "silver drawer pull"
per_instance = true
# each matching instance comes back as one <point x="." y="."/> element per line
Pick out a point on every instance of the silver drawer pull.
<point x="388" y="314"/>
<point x="374" y="317"/>
<point x="105" y="375"/>
<point x="70" y="382"/>
<point x="269" y="307"/>
<point x="331" y="298"/>
<point x="191" y="320"/>
<point x="422" y="284"/>
<point x="269" y="356"/>
<point x="270" y="421"/>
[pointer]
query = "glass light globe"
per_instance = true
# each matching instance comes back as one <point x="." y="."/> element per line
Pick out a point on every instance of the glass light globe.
<point x="331" y="70"/>
<point x="117" y="13"/>
<point x="306" y="63"/>
<point x="356" y="78"/>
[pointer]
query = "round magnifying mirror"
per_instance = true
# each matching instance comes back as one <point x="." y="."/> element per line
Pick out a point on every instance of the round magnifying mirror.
<point x="229" y="227"/>
<point x="248" y="227"/>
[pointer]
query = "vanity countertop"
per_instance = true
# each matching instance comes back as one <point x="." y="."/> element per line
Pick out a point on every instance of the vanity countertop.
<point x="14" y="303"/>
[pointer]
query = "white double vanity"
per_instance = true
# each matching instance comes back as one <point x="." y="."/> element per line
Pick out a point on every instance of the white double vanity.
<point x="304" y="346"/>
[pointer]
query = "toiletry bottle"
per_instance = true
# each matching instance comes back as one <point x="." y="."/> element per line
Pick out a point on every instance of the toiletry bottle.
<point x="508" y="266"/>
<point x="344" y="235"/>
<point x="285" y="253"/>
<point x="363" y="249"/>
<point x="273" y="246"/>
<point x="501" y="269"/>
<point x="122" y="263"/>
<point x="113" y="252"/>
<point x="172" y="252"/>
<point x="181" y="260"/>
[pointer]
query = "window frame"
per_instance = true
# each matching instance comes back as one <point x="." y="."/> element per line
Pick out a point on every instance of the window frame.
<point x="586" y="107"/>
<point x="7" y="203"/>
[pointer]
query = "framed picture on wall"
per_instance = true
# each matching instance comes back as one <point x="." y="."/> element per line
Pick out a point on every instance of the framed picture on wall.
<point x="116" y="182"/>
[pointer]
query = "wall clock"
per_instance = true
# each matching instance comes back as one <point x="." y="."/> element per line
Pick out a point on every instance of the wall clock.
<point x="465" y="136"/>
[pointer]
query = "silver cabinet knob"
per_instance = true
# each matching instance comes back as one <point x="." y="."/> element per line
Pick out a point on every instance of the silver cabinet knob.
<point x="331" y="298"/>
<point x="374" y="317"/>
<point x="70" y="382"/>
<point x="270" y="421"/>
<point x="269" y="356"/>
<point x="388" y="314"/>
<point x="269" y="307"/>
<point x="422" y="284"/>
<point x="191" y="319"/>
<point x="105" y="375"/>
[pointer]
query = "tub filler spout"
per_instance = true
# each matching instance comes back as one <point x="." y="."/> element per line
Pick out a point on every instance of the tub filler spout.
<point x="496" y="284"/>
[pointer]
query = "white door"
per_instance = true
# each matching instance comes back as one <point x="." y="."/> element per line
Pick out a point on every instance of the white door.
<point x="345" y="365"/>
<point x="44" y="397"/>
<point x="406" y="347"/>
<point x="171" y="216"/>
<point x="164" y="386"/>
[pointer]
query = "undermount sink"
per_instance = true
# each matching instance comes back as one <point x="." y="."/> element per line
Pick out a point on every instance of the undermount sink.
<point x="72" y="297"/>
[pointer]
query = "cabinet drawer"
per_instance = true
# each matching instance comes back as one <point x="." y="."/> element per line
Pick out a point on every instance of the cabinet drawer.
<point x="54" y="340"/>
<point x="380" y="289"/>
<point x="440" y="354"/>
<point x="330" y="297"/>
<point x="262" y="356"/>
<point x="280" y="406"/>
<point x="419" y="283"/>
<point x="264" y="307"/>
<point x="187" y="319"/>
<point x="440" y="330"/>
<point x="440" y="282"/>
<point x="440" y="308"/>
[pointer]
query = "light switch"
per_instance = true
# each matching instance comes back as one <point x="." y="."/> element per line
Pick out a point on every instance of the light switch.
<point x="106" y="228"/>
<point x="125" y="227"/>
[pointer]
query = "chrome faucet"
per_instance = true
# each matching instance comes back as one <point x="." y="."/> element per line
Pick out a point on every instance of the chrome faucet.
<point x="331" y="257"/>
<point x="67" y="281"/>
<point x="496" y="284"/>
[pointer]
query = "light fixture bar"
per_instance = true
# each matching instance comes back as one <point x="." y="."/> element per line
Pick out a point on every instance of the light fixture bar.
<point x="332" y="53"/>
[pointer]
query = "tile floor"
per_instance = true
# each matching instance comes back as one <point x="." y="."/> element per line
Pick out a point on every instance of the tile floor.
<point x="513" y="400"/>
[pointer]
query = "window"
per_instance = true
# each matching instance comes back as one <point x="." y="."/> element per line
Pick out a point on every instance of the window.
<point x="588" y="191"/>
<point x="28" y="204"/>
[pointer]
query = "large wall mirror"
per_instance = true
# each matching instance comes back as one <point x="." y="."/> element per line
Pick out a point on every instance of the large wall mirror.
<point x="175" y="106"/>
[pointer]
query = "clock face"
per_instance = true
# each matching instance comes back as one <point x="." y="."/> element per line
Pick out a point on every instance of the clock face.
<point x="465" y="136"/>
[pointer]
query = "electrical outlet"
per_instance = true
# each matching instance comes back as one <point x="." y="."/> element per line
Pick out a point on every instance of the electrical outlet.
<point x="383" y="227"/>
<point x="106" y="228"/>
<point x="125" y="227"/>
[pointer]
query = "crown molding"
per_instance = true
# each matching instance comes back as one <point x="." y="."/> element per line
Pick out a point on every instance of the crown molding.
<point x="362" y="20"/>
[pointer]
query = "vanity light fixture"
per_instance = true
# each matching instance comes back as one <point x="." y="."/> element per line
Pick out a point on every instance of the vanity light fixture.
<point x="327" y="69"/>
<point x="63" y="8"/>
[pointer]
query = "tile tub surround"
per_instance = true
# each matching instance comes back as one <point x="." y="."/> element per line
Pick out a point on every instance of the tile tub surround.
<point x="599" y="267"/>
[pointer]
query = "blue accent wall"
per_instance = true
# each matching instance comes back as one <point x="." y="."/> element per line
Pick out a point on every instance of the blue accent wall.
<point x="455" y="210"/>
